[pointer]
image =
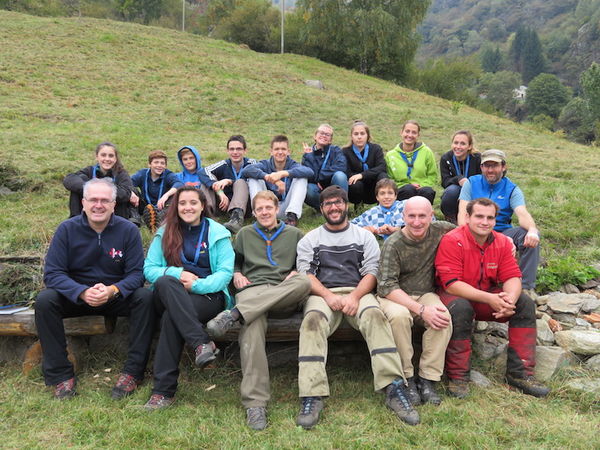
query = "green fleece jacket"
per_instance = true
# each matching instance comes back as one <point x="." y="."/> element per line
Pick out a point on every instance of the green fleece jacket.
<point x="424" y="171"/>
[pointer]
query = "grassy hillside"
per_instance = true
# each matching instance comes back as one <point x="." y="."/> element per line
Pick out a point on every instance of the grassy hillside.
<point x="67" y="84"/>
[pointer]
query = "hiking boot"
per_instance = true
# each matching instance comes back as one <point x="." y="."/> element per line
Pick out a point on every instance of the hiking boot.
<point x="65" y="389"/>
<point x="310" y="411"/>
<point x="218" y="326"/>
<point x="158" y="401"/>
<point x="206" y="353"/>
<point x="396" y="398"/>
<point x="458" y="388"/>
<point x="412" y="391"/>
<point x="291" y="219"/>
<point x="134" y="216"/>
<point x="125" y="386"/>
<point x="528" y="385"/>
<point x="256" y="418"/>
<point x="236" y="220"/>
<point x="429" y="392"/>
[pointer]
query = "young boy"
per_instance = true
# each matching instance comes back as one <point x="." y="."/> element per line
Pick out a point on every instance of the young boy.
<point x="227" y="183"/>
<point x="385" y="218"/>
<point x="156" y="185"/>
<point x="194" y="175"/>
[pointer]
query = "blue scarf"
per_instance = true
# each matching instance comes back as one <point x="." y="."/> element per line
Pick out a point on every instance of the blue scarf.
<point x="410" y="163"/>
<point x="362" y="157"/>
<point x="269" y="242"/>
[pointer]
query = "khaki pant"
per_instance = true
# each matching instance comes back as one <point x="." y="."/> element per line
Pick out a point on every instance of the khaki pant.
<point x="431" y="364"/>
<point x="240" y="197"/>
<point x="320" y="322"/>
<point x="255" y="304"/>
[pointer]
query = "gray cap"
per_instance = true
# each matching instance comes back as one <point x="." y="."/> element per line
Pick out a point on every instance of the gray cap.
<point x="493" y="155"/>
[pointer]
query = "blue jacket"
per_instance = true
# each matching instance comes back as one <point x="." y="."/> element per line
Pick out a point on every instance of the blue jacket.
<point x="78" y="257"/>
<point x="197" y="178"/>
<point x="267" y="166"/>
<point x="223" y="170"/>
<point x="324" y="163"/>
<point x="152" y="190"/>
<point x="221" y="256"/>
<point x="499" y="193"/>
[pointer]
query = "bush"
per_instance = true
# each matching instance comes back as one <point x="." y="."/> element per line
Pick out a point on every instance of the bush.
<point x="561" y="271"/>
<point x="19" y="283"/>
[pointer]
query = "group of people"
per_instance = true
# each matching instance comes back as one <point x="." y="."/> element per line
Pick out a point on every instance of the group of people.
<point x="429" y="273"/>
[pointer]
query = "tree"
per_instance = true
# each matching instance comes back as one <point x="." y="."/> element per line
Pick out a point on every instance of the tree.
<point x="449" y="79"/>
<point x="533" y="59"/>
<point x="546" y="95"/>
<point x="144" y="10"/>
<point x="590" y="83"/>
<point x="498" y="89"/>
<point x="575" y="119"/>
<point x="491" y="60"/>
<point x="516" y="48"/>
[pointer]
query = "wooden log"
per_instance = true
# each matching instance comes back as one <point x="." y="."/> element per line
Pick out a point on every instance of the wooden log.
<point x="23" y="324"/>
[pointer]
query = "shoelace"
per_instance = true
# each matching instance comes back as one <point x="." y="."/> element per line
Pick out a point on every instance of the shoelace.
<point x="126" y="381"/>
<point x="156" y="399"/>
<point x="64" y="385"/>
<point x="256" y="414"/>
<point x="398" y="392"/>
<point x="307" y="404"/>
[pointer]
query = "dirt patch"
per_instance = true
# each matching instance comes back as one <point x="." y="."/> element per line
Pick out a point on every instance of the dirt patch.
<point x="10" y="180"/>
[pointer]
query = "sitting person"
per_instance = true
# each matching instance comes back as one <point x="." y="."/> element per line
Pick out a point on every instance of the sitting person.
<point x="190" y="264"/>
<point x="411" y="164"/>
<point x="192" y="174"/>
<point x="366" y="164"/>
<point x="283" y="176"/>
<point x="227" y="182"/>
<point x="327" y="162"/>
<point x="156" y="185"/>
<point x="385" y="218"/>
<point x="456" y="165"/>
<point x="480" y="280"/>
<point x="107" y="165"/>
<point x="94" y="267"/>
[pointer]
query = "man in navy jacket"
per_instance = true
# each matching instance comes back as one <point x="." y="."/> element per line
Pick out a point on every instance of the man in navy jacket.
<point x="94" y="267"/>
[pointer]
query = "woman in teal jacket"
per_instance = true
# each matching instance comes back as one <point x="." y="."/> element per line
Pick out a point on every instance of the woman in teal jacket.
<point x="412" y="165"/>
<point x="190" y="264"/>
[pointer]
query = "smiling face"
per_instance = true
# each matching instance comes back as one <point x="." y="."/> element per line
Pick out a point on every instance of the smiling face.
<point x="461" y="146"/>
<point x="236" y="151"/>
<point x="106" y="157"/>
<point x="493" y="171"/>
<point x="359" y="136"/>
<point x="481" y="221"/>
<point x="190" y="207"/>
<point x="189" y="161"/>
<point x="418" y="215"/>
<point x="266" y="212"/>
<point x="157" y="166"/>
<point x="410" y="134"/>
<point x="280" y="151"/>
<point x="98" y="205"/>
<point x="335" y="211"/>
<point x="386" y="197"/>
<point x="323" y="136"/>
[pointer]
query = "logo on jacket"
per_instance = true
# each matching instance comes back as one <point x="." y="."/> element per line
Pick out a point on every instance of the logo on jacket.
<point x="114" y="253"/>
<point x="492" y="266"/>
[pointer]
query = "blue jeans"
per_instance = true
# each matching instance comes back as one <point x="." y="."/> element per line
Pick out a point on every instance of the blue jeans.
<point x="313" y="192"/>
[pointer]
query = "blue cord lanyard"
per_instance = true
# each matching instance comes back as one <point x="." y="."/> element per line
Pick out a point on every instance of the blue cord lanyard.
<point x="237" y="174"/>
<point x="457" y="166"/>
<point x="160" y="189"/>
<point x="324" y="160"/>
<point x="95" y="169"/>
<point x="269" y="242"/>
<point x="362" y="157"/>
<point x="198" y="247"/>
<point x="410" y="163"/>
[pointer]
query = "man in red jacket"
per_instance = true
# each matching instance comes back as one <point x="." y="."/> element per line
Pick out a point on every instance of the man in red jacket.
<point x="481" y="280"/>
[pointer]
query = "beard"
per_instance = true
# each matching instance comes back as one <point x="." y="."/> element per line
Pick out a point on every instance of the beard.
<point x="340" y="220"/>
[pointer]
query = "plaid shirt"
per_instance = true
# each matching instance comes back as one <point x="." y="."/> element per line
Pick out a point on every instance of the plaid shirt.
<point x="377" y="216"/>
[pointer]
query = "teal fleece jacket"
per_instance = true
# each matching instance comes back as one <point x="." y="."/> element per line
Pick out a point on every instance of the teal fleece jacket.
<point x="424" y="171"/>
<point x="221" y="257"/>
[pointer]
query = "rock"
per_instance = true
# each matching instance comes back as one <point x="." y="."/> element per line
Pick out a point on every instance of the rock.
<point x="541" y="300"/>
<point x="566" y="320"/>
<point x="486" y="346"/>
<point x="318" y="84"/>
<point x="549" y="359"/>
<point x="571" y="303"/>
<point x="481" y="326"/>
<point x="479" y="379"/>
<point x="581" y="324"/>
<point x="593" y="363"/>
<point x="543" y="308"/>
<point x="590" y="284"/>
<point x="545" y="336"/>
<point x="590" y="303"/>
<point x="582" y="342"/>
<point x="597" y="326"/>
<point x="594" y="292"/>
<point x="545" y="317"/>
<point x="5" y="191"/>
<point x="498" y="329"/>
<point x="585" y="384"/>
<point x="570" y="289"/>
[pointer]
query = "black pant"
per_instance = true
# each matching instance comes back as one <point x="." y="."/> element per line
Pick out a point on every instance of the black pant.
<point x="408" y="190"/>
<point x="183" y="316"/>
<point x="364" y="191"/>
<point x="50" y="309"/>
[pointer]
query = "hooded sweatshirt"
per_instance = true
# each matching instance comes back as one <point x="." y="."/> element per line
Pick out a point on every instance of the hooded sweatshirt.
<point x="196" y="178"/>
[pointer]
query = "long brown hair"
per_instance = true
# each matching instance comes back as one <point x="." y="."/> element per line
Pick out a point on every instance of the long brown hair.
<point x="359" y="123"/>
<point x="172" y="238"/>
<point x="470" y="139"/>
<point x="118" y="167"/>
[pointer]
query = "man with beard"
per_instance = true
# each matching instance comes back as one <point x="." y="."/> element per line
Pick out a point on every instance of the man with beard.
<point x="340" y="259"/>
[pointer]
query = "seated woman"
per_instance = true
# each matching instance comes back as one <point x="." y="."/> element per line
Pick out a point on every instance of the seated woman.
<point x="107" y="165"/>
<point x="411" y="165"/>
<point x="366" y="165"/>
<point x="190" y="264"/>
<point x="456" y="166"/>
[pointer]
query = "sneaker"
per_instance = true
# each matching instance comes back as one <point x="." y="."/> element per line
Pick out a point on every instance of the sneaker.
<point x="291" y="219"/>
<point x="428" y="391"/>
<point x="236" y="221"/>
<point x="220" y="324"/>
<point x="528" y="385"/>
<point x="256" y="418"/>
<point x="125" y="386"/>
<point x="458" y="388"/>
<point x="158" y="401"/>
<point x="396" y="398"/>
<point x="65" y="389"/>
<point x="310" y="411"/>
<point x="412" y="391"/>
<point x="206" y="353"/>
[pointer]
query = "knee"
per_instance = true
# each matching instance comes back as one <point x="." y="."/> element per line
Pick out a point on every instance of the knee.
<point x="525" y="307"/>
<point x="143" y="296"/>
<point x="314" y="322"/>
<point x="339" y="178"/>
<point x="400" y="318"/>
<point x="45" y="300"/>
<point x="461" y="313"/>
<point x="374" y="316"/>
<point x="164" y="281"/>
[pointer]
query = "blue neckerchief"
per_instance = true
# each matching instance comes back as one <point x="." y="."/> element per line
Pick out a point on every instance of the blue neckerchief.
<point x="362" y="157"/>
<point x="95" y="169"/>
<point x="236" y="174"/>
<point x="160" y="189"/>
<point x="198" y="246"/>
<point x="457" y="166"/>
<point x="387" y="218"/>
<point x="269" y="241"/>
<point x="410" y="163"/>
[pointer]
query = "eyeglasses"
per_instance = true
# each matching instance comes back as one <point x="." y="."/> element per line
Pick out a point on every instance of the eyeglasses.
<point x="337" y="203"/>
<point x="324" y="133"/>
<point x="236" y="149"/>
<point x="102" y="201"/>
